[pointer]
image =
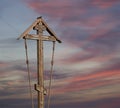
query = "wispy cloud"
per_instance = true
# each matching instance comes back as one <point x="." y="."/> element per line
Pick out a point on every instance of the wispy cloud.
<point x="91" y="28"/>
<point x="87" y="70"/>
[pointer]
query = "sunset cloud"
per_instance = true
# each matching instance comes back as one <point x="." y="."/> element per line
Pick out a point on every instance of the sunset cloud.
<point x="104" y="4"/>
<point x="86" y="65"/>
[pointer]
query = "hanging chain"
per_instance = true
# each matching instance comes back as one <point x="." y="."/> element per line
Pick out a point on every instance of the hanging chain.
<point x="28" y="70"/>
<point x="51" y="72"/>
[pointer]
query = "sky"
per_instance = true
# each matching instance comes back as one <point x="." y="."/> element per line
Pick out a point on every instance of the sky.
<point x="86" y="68"/>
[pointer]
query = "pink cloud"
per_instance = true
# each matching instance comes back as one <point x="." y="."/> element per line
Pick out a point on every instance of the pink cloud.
<point x="77" y="57"/>
<point x="46" y="7"/>
<point x="86" y="24"/>
<point x="70" y="14"/>
<point x="102" y="31"/>
<point x="90" y="81"/>
<point x="98" y="75"/>
<point x="103" y="4"/>
<point x="55" y="8"/>
<point x="2" y="64"/>
<point x="95" y="21"/>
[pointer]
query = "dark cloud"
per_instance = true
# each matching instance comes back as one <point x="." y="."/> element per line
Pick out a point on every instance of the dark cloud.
<point x="113" y="102"/>
<point x="13" y="103"/>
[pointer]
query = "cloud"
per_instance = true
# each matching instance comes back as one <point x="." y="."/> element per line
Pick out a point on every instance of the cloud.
<point x="77" y="24"/>
<point x="104" y="4"/>
<point x="91" y="80"/>
<point x="14" y="80"/>
<point x="86" y="88"/>
<point x="9" y="42"/>
<point x="87" y="63"/>
<point x="113" y="102"/>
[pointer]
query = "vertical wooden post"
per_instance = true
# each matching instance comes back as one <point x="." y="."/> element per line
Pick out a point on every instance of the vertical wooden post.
<point x="40" y="66"/>
<point x="40" y="71"/>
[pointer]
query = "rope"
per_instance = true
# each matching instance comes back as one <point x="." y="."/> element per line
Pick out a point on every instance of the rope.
<point x="51" y="72"/>
<point x="29" y="78"/>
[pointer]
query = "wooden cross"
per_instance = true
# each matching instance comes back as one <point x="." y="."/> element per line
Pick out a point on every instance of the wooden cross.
<point x="40" y="26"/>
